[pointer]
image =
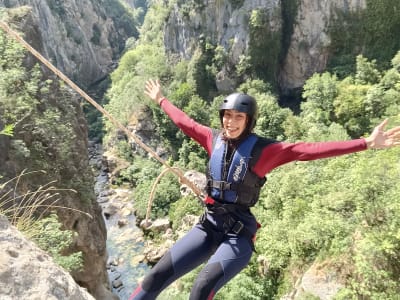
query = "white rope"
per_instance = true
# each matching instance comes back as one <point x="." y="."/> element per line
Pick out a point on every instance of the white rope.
<point x="176" y="171"/>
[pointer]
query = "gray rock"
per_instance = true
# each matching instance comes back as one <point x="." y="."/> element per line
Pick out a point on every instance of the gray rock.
<point x="27" y="272"/>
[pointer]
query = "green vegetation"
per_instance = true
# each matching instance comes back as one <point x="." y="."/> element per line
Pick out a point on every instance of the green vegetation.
<point x="55" y="241"/>
<point x="41" y="112"/>
<point x="29" y="213"/>
<point x="341" y="212"/>
<point x="57" y="7"/>
<point x="371" y="32"/>
<point x="122" y="17"/>
<point x="265" y="47"/>
<point x="7" y="130"/>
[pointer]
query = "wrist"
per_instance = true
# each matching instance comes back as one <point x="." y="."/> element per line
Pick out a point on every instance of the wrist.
<point x="370" y="143"/>
<point x="160" y="99"/>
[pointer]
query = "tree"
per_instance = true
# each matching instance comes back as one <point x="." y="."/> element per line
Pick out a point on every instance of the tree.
<point x="319" y="92"/>
<point x="366" y="72"/>
<point x="350" y="107"/>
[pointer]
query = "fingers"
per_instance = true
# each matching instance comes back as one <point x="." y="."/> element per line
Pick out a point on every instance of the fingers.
<point x="393" y="136"/>
<point x="152" y="88"/>
<point x="149" y="85"/>
<point x="395" y="131"/>
<point x="381" y="127"/>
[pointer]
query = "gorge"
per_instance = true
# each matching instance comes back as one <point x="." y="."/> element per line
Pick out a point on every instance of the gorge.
<point x="284" y="42"/>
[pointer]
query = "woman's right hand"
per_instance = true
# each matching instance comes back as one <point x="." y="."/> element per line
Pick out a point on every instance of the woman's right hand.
<point x="153" y="90"/>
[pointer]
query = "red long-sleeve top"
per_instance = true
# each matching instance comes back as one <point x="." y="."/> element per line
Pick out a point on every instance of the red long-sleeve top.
<point x="272" y="155"/>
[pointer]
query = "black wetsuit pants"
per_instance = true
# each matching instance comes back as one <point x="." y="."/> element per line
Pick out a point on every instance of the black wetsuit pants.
<point x="227" y="255"/>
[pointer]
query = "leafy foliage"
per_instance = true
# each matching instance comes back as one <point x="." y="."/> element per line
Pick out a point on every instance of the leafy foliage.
<point x="264" y="40"/>
<point x="7" y="130"/>
<point x="51" y="238"/>
<point x="364" y="32"/>
<point x="342" y="210"/>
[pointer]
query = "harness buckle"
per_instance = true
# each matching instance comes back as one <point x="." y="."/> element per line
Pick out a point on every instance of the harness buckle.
<point x="237" y="227"/>
<point x="225" y="185"/>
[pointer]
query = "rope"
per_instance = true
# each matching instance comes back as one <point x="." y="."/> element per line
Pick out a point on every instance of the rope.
<point x="116" y="123"/>
<point x="153" y="190"/>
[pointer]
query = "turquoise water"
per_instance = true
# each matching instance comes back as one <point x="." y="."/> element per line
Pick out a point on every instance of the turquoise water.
<point x="125" y="245"/>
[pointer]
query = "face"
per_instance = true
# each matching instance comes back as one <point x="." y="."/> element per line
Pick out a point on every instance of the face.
<point x="234" y="123"/>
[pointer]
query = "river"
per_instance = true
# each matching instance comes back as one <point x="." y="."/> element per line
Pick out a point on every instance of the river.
<point x="125" y="243"/>
<point x="125" y="249"/>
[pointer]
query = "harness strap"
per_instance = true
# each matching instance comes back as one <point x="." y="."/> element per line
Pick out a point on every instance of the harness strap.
<point x="222" y="208"/>
<point x="232" y="226"/>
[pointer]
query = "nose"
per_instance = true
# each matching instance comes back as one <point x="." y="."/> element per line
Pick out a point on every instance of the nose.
<point x="229" y="120"/>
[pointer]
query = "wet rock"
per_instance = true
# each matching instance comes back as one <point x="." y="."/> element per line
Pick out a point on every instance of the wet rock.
<point x="110" y="210"/>
<point x="122" y="222"/>
<point x="117" y="283"/>
<point x="138" y="259"/>
<point x="159" y="225"/>
<point x="115" y="276"/>
<point x="102" y="199"/>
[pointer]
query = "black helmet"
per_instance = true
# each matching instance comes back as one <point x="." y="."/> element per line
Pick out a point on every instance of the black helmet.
<point x="243" y="103"/>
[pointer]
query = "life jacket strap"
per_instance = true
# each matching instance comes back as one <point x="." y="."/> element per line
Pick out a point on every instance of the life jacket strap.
<point x="221" y="185"/>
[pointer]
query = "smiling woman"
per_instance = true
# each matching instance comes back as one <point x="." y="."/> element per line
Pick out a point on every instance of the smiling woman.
<point x="238" y="114"/>
<point x="239" y="160"/>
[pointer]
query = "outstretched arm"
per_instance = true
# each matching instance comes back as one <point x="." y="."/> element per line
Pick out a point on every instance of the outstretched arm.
<point x="381" y="139"/>
<point x="200" y="133"/>
<point x="278" y="154"/>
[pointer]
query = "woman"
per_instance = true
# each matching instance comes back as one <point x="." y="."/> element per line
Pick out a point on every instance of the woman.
<point x="239" y="161"/>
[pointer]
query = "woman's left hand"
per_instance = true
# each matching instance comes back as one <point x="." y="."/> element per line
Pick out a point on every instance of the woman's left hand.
<point x="381" y="139"/>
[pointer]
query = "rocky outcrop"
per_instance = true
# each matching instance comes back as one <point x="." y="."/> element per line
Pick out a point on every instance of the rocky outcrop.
<point x="319" y="281"/>
<point x="310" y="43"/>
<point x="26" y="272"/>
<point x="222" y="23"/>
<point x="80" y="38"/>
<point x="55" y="151"/>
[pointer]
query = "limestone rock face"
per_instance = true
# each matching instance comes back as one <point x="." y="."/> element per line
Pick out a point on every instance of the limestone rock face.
<point x="221" y="23"/>
<point x="309" y="46"/>
<point x="26" y="272"/>
<point x="319" y="280"/>
<point x="217" y="20"/>
<point x="79" y="37"/>
<point x="81" y="40"/>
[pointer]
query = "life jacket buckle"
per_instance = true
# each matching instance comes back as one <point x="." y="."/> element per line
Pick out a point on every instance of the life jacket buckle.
<point x="225" y="185"/>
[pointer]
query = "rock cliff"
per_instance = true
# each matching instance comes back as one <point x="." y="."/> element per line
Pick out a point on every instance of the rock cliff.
<point x="81" y="38"/>
<point x="82" y="41"/>
<point x="227" y="23"/>
<point x="26" y="272"/>
<point x="310" y="43"/>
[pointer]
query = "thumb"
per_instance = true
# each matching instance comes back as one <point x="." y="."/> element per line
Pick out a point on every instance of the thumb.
<point x="382" y="125"/>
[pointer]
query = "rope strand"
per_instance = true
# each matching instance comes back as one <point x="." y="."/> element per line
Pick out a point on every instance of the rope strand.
<point x="116" y="123"/>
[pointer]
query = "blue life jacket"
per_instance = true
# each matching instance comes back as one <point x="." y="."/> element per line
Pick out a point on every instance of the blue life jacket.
<point x="235" y="183"/>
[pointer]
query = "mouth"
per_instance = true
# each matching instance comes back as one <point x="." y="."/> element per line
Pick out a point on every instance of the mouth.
<point x="232" y="130"/>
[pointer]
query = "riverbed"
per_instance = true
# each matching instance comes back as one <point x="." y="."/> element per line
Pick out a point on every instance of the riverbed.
<point x="125" y="242"/>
